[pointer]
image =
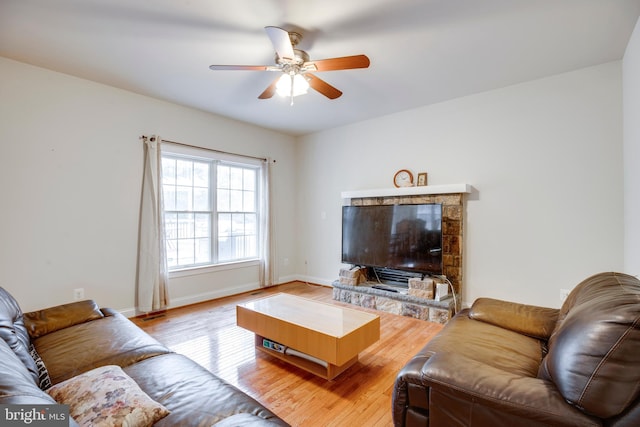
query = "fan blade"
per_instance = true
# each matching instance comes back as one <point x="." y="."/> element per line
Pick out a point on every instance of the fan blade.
<point x="323" y="87"/>
<point x="281" y="42"/>
<point x="270" y="91"/>
<point x="342" y="63"/>
<point x="244" y="67"/>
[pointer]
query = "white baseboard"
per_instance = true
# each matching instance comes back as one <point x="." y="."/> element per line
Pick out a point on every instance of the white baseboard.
<point x="215" y="294"/>
<point x="315" y="280"/>
<point x="205" y="296"/>
<point x="220" y="293"/>
<point x="287" y="279"/>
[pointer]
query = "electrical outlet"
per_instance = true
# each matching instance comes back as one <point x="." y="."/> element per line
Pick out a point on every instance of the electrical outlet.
<point x="564" y="293"/>
<point x="78" y="294"/>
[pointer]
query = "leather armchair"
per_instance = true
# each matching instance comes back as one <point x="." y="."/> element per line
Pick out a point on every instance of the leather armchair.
<point x="501" y="363"/>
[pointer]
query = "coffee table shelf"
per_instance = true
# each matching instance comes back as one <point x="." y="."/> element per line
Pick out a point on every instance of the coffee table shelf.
<point x="335" y="335"/>
<point x="328" y="372"/>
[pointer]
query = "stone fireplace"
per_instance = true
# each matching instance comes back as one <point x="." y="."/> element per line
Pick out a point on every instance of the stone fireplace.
<point x="452" y="198"/>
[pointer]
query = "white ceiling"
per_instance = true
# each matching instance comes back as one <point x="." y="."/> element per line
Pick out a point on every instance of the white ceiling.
<point x="421" y="51"/>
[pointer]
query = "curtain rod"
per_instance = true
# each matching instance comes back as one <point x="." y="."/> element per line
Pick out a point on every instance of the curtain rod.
<point x="145" y="137"/>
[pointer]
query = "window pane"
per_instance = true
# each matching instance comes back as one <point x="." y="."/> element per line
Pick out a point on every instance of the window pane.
<point x="172" y="252"/>
<point x="250" y="247"/>
<point x="236" y="179"/>
<point x="250" y="224"/>
<point x="169" y="197"/>
<point x="249" y="201"/>
<point x="249" y="179"/>
<point x="237" y="225"/>
<point x="235" y="201"/>
<point x="202" y="225"/>
<point x="200" y="199"/>
<point x="223" y="176"/>
<point x="223" y="201"/>
<point x="171" y="245"/>
<point x="203" y="251"/>
<point x="238" y="250"/>
<point x="168" y="171"/>
<point x="185" y="252"/>
<point x="184" y="172"/>
<point x="224" y="225"/>
<point x="225" y="249"/>
<point x="171" y="225"/>
<point x="185" y="226"/>
<point x="200" y="174"/>
<point x="183" y="198"/>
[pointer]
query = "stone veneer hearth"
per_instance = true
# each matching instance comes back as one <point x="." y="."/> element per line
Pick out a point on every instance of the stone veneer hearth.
<point x="452" y="239"/>
<point x="394" y="302"/>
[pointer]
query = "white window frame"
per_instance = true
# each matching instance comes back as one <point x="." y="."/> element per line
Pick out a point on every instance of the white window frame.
<point x="216" y="158"/>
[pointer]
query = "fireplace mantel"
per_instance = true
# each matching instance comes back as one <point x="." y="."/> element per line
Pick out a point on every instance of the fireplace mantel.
<point x="408" y="191"/>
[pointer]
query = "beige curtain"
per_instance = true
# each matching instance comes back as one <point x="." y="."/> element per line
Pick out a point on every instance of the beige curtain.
<point x="268" y="273"/>
<point x="151" y="286"/>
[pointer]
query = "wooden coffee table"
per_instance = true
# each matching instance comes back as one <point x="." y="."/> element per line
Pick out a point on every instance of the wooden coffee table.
<point x="321" y="338"/>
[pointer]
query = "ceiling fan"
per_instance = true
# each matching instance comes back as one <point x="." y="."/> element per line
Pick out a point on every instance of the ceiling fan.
<point x="297" y="68"/>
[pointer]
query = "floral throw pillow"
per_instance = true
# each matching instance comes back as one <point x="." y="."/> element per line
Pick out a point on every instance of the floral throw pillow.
<point x="107" y="396"/>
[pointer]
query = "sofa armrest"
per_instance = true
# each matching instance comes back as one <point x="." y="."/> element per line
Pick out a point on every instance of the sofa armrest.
<point x="526" y="397"/>
<point x="530" y="320"/>
<point x="408" y="389"/>
<point x="51" y="319"/>
<point x="106" y="311"/>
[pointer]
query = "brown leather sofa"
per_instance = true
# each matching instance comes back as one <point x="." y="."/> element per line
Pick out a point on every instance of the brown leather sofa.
<point x="506" y="364"/>
<point x="75" y="338"/>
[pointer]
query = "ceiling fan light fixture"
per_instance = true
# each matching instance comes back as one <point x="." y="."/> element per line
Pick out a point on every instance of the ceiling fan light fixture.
<point x="297" y="67"/>
<point x="292" y="85"/>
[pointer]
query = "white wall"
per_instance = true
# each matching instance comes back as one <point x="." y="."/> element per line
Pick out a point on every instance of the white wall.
<point x="631" y="102"/>
<point x="71" y="172"/>
<point x="545" y="158"/>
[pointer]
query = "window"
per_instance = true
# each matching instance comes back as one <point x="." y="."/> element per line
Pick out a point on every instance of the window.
<point x="236" y="212"/>
<point x="210" y="208"/>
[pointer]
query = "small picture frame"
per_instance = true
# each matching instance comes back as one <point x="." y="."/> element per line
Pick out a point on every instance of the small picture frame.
<point x="422" y="179"/>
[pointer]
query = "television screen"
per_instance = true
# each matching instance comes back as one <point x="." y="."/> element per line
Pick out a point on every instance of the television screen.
<point x="401" y="237"/>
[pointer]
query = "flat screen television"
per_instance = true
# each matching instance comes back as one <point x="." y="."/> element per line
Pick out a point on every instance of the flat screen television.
<point x="400" y="237"/>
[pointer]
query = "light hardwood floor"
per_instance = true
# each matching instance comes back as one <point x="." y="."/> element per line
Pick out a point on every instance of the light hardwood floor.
<point x="361" y="396"/>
